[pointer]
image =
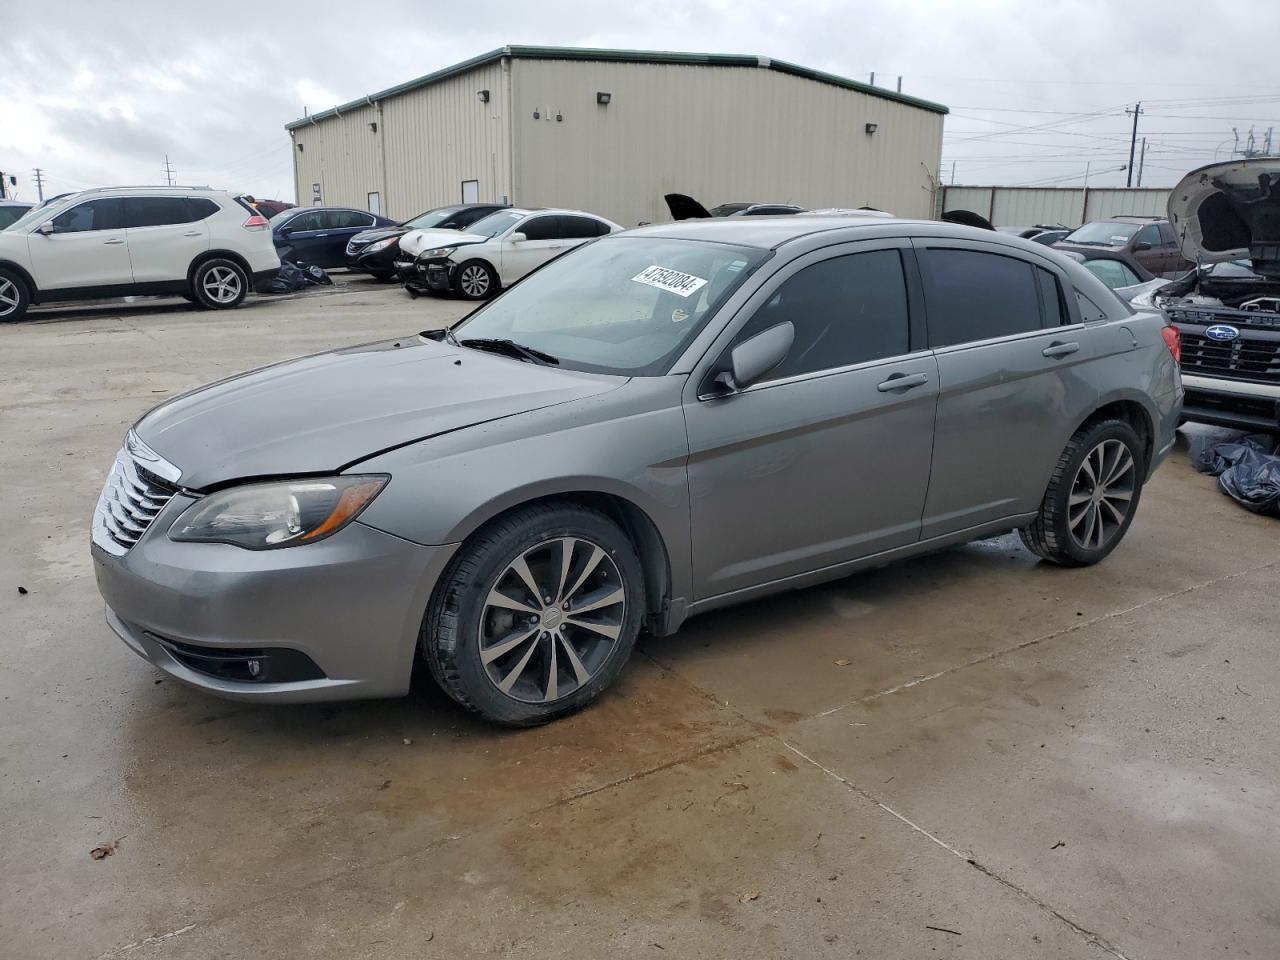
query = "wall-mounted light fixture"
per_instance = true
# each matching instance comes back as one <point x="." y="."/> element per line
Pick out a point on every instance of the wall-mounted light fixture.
<point x="603" y="98"/>
<point x="483" y="95"/>
<point x="537" y="114"/>
<point x="300" y="146"/>
<point x="373" y="127"/>
<point x="559" y="117"/>
<point x="872" y="127"/>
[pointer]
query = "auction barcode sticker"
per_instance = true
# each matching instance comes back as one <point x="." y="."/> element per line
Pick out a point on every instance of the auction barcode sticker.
<point x="672" y="281"/>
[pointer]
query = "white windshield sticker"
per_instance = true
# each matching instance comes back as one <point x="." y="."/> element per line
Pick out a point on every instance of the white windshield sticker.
<point x="672" y="281"/>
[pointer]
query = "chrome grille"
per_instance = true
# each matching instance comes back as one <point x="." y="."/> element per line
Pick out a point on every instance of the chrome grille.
<point x="131" y="498"/>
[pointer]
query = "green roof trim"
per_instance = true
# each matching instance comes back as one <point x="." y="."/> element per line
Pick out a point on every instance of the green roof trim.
<point x="620" y="56"/>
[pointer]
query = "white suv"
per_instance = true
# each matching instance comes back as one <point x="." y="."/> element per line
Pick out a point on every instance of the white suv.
<point x="495" y="252"/>
<point x="207" y="245"/>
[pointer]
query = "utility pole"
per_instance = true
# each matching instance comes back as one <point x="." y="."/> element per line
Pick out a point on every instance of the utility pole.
<point x="873" y="78"/>
<point x="1133" y="139"/>
<point x="953" y="173"/>
<point x="1142" y="159"/>
<point x="39" y="175"/>
<point x="3" y="194"/>
<point x="899" y="84"/>
<point x="168" y="171"/>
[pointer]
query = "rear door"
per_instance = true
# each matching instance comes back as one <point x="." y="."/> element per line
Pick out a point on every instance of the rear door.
<point x="827" y="458"/>
<point x="337" y="227"/>
<point x="542" y="242"/>
<point x="1012" y="357"/>
<point x="1175" y="263"/>
<point x="165" y="235"/>
<point x="86" y="249"/>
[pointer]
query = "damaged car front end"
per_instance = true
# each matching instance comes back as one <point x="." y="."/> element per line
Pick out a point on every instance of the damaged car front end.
<point x="426" y="261"/>
<point x="1227" y="310"/>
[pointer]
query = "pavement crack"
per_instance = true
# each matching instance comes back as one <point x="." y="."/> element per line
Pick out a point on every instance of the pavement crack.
<point x="1090" y="936"/>
<point x="1044" y="638"/>
<point x="145" y="942"/>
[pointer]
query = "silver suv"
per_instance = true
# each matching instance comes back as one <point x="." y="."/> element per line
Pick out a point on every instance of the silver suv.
<point x="660" y="423"/>
<point x="208" y="246"/>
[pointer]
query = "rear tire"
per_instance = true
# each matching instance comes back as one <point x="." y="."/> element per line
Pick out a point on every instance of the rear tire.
<point x="14" y="296"/>
<point x="521" y="658"/>
<point x="219" y="284"/>
<point x="1092" y="497"/>
<point x="475" y="280"/>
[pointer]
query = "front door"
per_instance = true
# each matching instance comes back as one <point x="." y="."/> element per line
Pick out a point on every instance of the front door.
<point x="1011" y="354"/>
<point x="329" y="248"/>
<point x="541" y="242"/>
<point x="86" y="249"/>
<point x="1148" y="249"/>
<point x="165" y="235"/>
<point x="826" y="459"/>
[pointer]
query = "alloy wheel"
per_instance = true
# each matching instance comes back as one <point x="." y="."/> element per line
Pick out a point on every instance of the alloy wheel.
<point x="551" y="620"/>
<point x="1101" y="494"/>
<point x="221" y="285"/>
<point x="474" y="281"/>
<point x="9" y="297"/>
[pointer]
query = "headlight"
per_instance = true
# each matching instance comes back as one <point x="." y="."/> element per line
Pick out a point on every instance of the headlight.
<point x="380" y="245"/>
<point x="437" y="252"/>
<point x="264" y="516"/>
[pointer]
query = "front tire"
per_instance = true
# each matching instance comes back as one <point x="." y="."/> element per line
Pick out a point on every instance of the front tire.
<point x="219" y="284"/>
<point x="536" y="615"/>
<point x="1092" y="497"/>
<point x="14" y="297"/>
<point x="475" y="280"/>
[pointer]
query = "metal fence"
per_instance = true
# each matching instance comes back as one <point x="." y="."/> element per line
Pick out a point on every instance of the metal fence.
<point x="1069" y="206"/>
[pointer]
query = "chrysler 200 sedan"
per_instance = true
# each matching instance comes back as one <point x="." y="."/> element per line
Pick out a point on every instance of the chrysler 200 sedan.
<point x="663" y="422"/>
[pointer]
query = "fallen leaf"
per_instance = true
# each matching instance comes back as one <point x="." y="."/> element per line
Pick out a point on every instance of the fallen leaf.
<point x="385" y="785"/>
<point x="429" y="936"/>
<point x="749" y="896"/>
<point x="842" y="662"/>
<point x="104" y="850"/>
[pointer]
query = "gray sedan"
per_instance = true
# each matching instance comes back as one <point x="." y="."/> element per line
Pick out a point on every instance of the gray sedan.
<point x="660" y="423"/>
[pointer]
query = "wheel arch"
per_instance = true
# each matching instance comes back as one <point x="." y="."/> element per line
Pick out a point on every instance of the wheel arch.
<point x="32" y="290"/>
<point x="493" y="269"/>
<point x="208" y="255"/>
<point x="1132" y="410"/>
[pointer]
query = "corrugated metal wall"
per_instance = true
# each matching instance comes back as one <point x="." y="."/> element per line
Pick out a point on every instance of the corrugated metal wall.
<point x="1024" y="206"/>
<point x="427" y="143"/>
<point x="716" y="133"/>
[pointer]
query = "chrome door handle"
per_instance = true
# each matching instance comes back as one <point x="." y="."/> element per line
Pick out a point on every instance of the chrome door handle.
<point x="1059" y="349"/>
<point x="319" y="235"/>
<point x="902" y="381"/>
<point x="192" y="233"/>
<point x="113" y="241"/>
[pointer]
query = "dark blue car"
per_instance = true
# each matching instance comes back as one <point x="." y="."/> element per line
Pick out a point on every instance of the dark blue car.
<point x="319" y="235"/>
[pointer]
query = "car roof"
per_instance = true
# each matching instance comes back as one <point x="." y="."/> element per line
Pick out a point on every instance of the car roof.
<point x="1132" y="218"/>
<point x="769" y="233"/>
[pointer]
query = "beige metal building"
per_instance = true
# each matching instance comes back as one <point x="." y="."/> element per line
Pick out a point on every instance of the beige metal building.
<point x="1069" y="206"/>
<point x="611" y="131"/>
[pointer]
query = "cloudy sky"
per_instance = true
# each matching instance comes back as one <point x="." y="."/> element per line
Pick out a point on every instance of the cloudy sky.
<point x="100" y="92"/>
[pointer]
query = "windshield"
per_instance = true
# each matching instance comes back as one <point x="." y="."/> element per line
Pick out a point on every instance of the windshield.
<point x="1112" y="272"/>
<point x="282" y="216"/>
<point x="1102" y="233"/>
<point x="496" y="223"/>
<point x="620" y="305"/>
<point x="38" y="213"/>
<point x="432" y="218"/>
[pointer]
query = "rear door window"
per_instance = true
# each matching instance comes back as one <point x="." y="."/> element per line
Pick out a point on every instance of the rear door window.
<point x="101" y="214"/>
<point x="971" y="295"/>
<point x="156" y="211"/>
<point x="576" y="228"/>
<point x="846" y="310"/>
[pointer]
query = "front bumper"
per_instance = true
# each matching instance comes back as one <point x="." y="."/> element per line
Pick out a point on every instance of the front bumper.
<point x="352" y="605"/>
<point x="1239" y="404"/>
<point x="434" y="275"/>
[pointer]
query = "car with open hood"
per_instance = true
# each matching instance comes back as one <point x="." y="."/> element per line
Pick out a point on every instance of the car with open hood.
<point x="494" y="252"/>
<point x="661" y="423"/>
<point x="375" y="251"/>
<point x="1227" y="220"/>
<point x="684" y="207"/>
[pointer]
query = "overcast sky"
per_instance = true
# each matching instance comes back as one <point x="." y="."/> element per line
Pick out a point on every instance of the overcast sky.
<point x="101" y="92"/>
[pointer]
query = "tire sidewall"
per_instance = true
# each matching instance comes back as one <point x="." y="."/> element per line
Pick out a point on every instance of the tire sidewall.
<point x="1109" y="430"/>
<point x="493" y="280"/>
<point x="24" y="297"/>
<point x="197" y="284"/>
<point x="451" y="636"/>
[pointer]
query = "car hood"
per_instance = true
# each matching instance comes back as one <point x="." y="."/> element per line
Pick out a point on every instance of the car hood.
<point x="1230" y="211"/>
<point x="378" y="233"/>
<point x="415" y="241"/>
<point x="683" y="207"/>
<point x="324" y="413"/>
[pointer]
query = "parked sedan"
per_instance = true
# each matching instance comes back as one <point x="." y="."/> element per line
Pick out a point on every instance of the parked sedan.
<point x="659" y="424"/>
<point x="319" y="235"/>
<point x="376" y="251"/>
<point x="1146" y="242"/>
<point x="493" y="252"/>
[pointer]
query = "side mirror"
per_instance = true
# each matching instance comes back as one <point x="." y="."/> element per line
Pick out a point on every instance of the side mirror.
<point x="45" y="228"/>
<point x="517" y="237"/>
<point x="752" y="359"/>
<point x="1140" y="246"/>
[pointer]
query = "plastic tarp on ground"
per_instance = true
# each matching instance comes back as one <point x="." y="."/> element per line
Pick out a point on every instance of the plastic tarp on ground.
<point x="1247" y="468"/>
<point x="295" y="276"/>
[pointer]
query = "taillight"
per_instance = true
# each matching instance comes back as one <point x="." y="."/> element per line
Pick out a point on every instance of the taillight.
<point x="1173" y="340"/>
<point x="256" y="222"/>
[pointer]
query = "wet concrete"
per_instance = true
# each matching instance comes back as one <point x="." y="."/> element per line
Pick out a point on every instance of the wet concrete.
<point x="1015" y="761"/>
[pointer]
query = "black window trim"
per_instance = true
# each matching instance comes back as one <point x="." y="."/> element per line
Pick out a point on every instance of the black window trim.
<point x="119" y="201"/>
<point x="1071" y="310"/>
<point x="181" y="198"/>
<point x="917" y="347"/>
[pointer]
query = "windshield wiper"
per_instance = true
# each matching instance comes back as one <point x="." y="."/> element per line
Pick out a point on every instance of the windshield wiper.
<point x="511" y="349"/>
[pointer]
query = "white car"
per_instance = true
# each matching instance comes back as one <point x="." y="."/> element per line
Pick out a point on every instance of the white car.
<point x="493" y="252"/>
<point x="207" y="245"/>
